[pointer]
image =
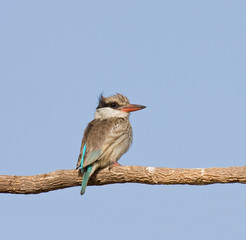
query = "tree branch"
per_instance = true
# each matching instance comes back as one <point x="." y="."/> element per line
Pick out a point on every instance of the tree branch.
<point x="60" y="179"/>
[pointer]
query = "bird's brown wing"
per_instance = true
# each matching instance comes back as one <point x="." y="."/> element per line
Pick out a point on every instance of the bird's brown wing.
<point x="95" y="138"/>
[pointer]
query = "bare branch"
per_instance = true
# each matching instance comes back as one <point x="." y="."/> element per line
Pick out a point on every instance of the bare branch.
<point x="122" y="174"/>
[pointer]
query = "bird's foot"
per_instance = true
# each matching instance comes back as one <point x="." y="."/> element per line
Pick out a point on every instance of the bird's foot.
<point x="113" y="164"/>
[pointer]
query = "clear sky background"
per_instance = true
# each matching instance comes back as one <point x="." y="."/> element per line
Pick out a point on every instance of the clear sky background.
<point x="184" y="60"/>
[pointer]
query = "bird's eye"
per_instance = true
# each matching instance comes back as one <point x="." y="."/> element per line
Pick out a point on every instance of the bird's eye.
<point x="113" y="104"/>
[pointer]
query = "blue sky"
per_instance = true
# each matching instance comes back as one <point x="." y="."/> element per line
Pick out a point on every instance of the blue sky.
<point x="184" y="60"/>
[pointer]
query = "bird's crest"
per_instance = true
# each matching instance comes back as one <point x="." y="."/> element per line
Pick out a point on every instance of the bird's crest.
<point x="118" y="98"/>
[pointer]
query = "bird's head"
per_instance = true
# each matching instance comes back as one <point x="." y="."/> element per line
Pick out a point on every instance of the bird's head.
<point x="117" y="105"/>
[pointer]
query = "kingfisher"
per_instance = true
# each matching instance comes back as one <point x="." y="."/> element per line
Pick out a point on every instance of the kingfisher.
<point x="107" y="137"/>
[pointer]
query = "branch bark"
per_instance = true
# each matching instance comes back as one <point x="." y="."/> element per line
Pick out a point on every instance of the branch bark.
<point x="60" y="179"/>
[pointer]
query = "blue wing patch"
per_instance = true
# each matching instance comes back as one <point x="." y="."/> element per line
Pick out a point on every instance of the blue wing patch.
<point x="92" y="157"/>
<point x="83" y="156"/>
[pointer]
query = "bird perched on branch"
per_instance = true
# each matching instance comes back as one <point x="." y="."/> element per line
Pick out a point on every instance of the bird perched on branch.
<point x="107" y="137"/>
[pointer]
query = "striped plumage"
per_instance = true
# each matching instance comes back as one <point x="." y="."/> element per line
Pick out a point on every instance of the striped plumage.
<point x="107" y="137"/>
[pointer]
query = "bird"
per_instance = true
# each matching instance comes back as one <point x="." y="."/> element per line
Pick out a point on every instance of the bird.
<point x="107" y="137"/>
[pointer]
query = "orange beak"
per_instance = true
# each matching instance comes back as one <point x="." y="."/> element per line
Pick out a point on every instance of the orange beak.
<point x="132" y="108"/>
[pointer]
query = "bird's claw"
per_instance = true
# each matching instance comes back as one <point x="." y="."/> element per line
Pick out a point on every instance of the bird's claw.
<point x="113" y="164"/>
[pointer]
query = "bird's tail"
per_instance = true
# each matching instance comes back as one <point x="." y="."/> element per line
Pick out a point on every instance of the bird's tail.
<point x="86" y="176"/>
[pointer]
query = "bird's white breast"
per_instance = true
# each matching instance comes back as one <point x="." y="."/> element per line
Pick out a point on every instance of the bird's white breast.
<point x="107" y="112"/>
